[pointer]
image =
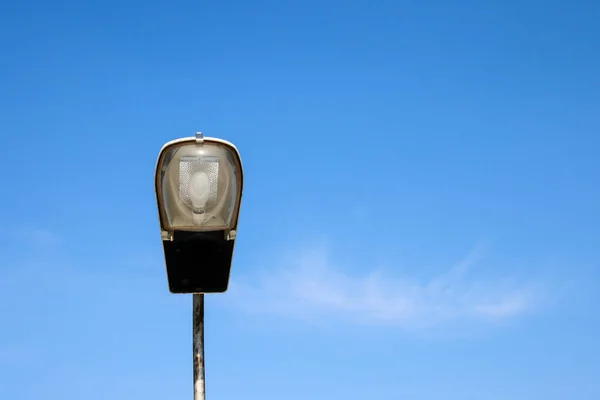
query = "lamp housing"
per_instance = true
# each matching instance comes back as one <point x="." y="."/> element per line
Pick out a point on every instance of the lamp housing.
<point x="198" y="185"/>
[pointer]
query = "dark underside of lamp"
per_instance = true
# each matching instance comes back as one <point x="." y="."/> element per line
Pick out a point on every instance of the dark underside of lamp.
<point x="198" y="262"/>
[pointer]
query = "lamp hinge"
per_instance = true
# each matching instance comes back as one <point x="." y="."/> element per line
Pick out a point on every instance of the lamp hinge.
<point x="231" y="235"/>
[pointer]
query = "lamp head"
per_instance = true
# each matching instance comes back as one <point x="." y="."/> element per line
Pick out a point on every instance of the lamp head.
<point x="198" y="184"/>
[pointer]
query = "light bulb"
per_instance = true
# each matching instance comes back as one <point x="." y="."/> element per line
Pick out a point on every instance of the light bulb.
<point x="199" y="190"/>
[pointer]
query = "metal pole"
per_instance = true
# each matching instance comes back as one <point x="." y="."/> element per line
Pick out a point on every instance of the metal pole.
<point x="198" y="326"/>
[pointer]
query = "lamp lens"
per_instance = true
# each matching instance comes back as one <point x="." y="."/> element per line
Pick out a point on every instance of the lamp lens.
<point x="200" y="187"/>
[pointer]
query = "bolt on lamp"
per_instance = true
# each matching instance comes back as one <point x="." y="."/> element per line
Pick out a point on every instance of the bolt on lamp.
<point x="198" y="185"/>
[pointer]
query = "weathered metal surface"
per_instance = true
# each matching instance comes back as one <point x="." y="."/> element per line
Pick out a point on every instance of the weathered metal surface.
<point x="198" y="335"/>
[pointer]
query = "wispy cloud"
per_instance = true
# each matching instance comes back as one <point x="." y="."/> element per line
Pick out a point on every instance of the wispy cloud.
<point x="42" y="237"/>
<point x="313" y="286"/>
<point x="31" y="236"/>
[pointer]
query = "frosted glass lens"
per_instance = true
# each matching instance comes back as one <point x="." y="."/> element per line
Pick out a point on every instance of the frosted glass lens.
<point x="200" y="186"/>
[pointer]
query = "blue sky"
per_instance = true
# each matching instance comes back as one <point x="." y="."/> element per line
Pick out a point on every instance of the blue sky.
<point x="420" y="215"/>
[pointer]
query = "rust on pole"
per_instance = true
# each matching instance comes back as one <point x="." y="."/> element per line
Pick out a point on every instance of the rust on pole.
<point x="198" y="335"/>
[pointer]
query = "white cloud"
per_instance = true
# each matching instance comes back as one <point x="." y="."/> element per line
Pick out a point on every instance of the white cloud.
<point x="314" y="287"/>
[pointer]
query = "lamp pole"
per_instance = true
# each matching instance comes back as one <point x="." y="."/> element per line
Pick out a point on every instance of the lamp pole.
<point x="198" y="337"/>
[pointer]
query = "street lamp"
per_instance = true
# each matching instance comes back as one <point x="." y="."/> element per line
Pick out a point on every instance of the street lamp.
<point x="198" y="185"/>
